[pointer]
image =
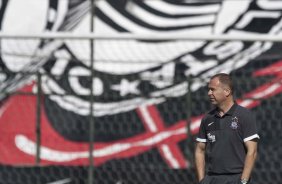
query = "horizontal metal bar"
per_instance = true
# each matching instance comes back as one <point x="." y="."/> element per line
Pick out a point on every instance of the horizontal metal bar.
<point x="130" y="36"/>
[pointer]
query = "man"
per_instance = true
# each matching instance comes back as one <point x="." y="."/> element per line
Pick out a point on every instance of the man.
<point x="226" y="147"/>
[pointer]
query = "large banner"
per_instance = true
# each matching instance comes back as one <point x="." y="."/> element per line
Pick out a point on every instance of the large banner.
<point x="140" y="87"/>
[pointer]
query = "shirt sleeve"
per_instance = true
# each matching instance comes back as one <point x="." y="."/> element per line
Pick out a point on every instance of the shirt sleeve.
<point x="249" y="127"/>
<point x="201" y="137"/>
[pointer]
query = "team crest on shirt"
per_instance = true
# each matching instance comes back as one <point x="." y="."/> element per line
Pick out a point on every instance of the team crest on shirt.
<point x="211" y="137"/>
<point x="234" y="123"/>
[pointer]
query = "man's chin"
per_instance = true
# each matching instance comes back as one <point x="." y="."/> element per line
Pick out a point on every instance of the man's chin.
<point x="213" y="102"/>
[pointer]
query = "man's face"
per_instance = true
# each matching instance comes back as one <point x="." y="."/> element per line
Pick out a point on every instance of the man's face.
<point x="216" y="92"/>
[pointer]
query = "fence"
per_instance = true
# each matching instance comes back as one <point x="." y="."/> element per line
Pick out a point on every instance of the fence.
<point x="138" y="115"/>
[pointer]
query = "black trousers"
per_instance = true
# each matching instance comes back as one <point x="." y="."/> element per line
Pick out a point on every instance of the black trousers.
<point x="222" y="179"/>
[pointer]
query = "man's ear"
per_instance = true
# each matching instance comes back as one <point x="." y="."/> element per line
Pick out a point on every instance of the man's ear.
<point x="227" y="92"/>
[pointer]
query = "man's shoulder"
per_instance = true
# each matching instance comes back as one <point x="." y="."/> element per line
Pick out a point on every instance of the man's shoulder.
<point x="244" y="112"/>
<point x="242" y="109"/>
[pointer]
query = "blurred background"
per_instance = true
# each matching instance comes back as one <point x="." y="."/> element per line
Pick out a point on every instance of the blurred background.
<point x="113" y="91"/>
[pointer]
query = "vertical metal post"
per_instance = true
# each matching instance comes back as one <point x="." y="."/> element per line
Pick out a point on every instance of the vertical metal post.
<point x="91" y="115"/>
<point x="38" y="118"/>
<point x="190" y="141"/>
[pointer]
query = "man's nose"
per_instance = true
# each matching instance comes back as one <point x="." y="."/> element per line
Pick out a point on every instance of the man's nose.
<point x="210" y="92"/>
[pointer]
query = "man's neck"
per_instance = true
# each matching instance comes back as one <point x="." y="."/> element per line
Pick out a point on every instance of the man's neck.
<point x="225" y="107"/>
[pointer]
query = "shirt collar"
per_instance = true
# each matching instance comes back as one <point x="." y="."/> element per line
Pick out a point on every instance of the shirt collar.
<point x="230" y="112"/>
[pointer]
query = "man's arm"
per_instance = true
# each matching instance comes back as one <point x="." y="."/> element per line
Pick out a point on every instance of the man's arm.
<point x="250" y="158"/>
<point x="200" y="160"/>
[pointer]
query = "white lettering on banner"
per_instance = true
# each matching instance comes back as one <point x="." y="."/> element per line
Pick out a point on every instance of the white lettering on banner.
<point x="61" y="63"/>
<point x="250" y="16"/>
<point x="237" y="61"/>
<point x="270" y="4"/>
<point x="77" y="72"/>
<point x="222" y="50"/>
<point x="50" y="86"/>
<point x="126" y="87"/>
<point x="161" y="78"/>
<point x="196" y="66"/>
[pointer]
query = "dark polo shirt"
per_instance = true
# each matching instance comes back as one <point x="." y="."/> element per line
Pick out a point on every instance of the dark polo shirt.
<point x="225" y="136"/>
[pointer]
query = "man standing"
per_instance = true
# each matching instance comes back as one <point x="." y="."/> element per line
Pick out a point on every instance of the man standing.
<point x="226" y="147"/>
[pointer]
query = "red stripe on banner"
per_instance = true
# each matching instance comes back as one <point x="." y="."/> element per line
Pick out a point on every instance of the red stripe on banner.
<point x="170" y="152"/>
<point x="176" y="152"/>
<point x="156" y="117"/>
<point x="274" y="69"/>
